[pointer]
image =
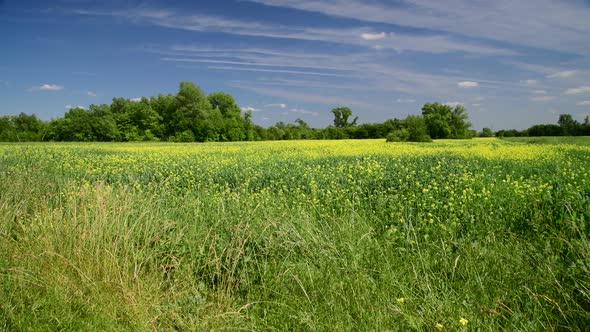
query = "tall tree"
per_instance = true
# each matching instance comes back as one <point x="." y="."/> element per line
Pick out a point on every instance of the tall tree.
<point x="443" y="121"/>
<point x="567" y="124"/>
<point x="193" y="107"/>
<point x="341" y="116"/>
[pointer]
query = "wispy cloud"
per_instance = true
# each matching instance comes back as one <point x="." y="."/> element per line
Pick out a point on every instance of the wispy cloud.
<point x="91" y="93"/>
<point x="542" y="98"/>
<point x="299" y="72"/>
<point x="135" y="99"/>
<point x="69" y="107"/>
<point x="583" y="103"/>
<point x="529" y="82"/>
<point x="281" y="105"/>
<point x="563" y="74"/>
<point x="47" y="87"/>
<point x="429" y="43"/>
<point x="563" y="25"/>
<point x="454" y="103"/>
<point x="578" y="90"/>
<point x="305" y="97"/>
<point x="468" y="84"/>
<point x="405" y="101"/>
<point x="373" y="36"/>
<point x="249" y="109"/>
<point x="540" y="92"/>
<point x="303" y="111"/>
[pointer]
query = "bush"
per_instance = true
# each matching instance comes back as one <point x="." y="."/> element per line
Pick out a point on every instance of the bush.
<point x="186" y="136"/>
<point x="398" y="135"/>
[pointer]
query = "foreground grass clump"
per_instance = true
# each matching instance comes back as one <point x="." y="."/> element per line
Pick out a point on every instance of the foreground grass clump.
<point x="331" y="235"/>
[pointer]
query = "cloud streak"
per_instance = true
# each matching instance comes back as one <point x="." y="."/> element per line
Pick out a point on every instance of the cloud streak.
<point x="468" y="84"/>
<point x="47" y="87"/>
<point x="579" y="90"/>
<point x="428" y="43"/>
<point x="563" y="25"/>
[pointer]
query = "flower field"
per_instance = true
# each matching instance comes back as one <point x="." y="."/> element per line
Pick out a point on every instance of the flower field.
<point x="349" y="235"/>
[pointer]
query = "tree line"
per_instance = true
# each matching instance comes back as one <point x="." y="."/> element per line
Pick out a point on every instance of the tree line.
<point x="566" y="126"/>
<point x="191" y="115"/>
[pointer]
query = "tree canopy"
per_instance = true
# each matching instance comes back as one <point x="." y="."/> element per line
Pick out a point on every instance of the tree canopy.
<point x="191" y="115"/>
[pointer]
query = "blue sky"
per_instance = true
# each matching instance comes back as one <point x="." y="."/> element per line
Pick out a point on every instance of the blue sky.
<point x="510" y="63"/>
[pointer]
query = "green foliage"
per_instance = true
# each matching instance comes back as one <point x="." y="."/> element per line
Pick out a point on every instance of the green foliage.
<point x="341" y="116"/>
<point x="567" y="124"/>
<point x="398" y="135"/>
<point x="22" y="127"/>
<point x="217" y="118"/>
<point x="443" y="121"/>
<point x="417" y="129"/>
<point x="185" y="136"/>
<point x="486" y="132"/>
<point x="291" y="236"/>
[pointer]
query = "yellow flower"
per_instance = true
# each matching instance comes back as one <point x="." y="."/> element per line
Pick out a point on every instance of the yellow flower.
<point x="401" y="300"/>
<point x="463" y="321"/>
<point x="439" y="326"/>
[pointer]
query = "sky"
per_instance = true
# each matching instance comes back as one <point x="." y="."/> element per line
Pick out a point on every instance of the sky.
<point x="510" y="63"/>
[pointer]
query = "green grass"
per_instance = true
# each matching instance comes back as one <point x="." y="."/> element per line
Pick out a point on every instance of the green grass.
<point x="577" y="140"/>
<point x="286" y="236"/>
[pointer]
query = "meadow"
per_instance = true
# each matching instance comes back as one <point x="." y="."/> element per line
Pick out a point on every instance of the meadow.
<point x="577" y="140"/>
<point x="350" y="235"/>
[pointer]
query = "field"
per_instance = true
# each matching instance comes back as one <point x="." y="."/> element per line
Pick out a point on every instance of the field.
<point x="577" y="140"/>
<point x="358" y="235"/>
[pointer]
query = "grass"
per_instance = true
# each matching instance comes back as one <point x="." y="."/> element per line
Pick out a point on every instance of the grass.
<point x="328" y="236"/>
<point x="577" y="140"/>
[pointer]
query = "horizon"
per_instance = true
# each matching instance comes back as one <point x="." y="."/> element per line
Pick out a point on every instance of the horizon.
<point x="284" y="60"/>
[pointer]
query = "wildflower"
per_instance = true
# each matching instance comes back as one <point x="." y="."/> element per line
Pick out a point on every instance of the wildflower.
<point x="439" y="326"/>
<point x="463" y="321"/>
<point x="401" y="300"/>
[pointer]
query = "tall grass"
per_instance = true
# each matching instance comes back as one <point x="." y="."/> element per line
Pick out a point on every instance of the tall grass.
<point x="342" y="242"/>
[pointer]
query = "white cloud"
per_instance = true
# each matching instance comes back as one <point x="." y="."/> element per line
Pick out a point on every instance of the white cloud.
<point x="575" y="91"/>
<point x="529" y="82"/>
<point x="303" y="111"/>
<point x="540" y="92"/>
<point x="542" y="98"/>
<point x="404" y="101"/>
<point x="583" y="103"/>
<point x="91" y="93"/>
<point x="563" y="74"/>
<point x="553" y="25"/>
<point x="281" y="105"/>
<point x="476" y="105"/>
<point x="135" y="100"/>
<point x="468" y="84"/>
<point x="69" y="107"/>
<point x="431" y="43"/>
<point x="47" y="87"/>
<point x="454" y="103"/>
<point x="373" y="36"/>
<point x="249" y="109"/>
<point x="297" y="72"/>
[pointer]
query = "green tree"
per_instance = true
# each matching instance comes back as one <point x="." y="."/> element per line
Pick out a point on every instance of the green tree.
<point x="233" y="128"/>
<point x="443" y="121"/>
<point x="193" y="108"/>
<point x="417" y="129"/>
<point x="104" y="126"/>
<point x="165" y="106"/>
<point x="567" y="123"/>
<point x="486" y="132"/>
<point x="341" y="116"/>
<point x="437" y="118"/>
<point x="459" y="124"/>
